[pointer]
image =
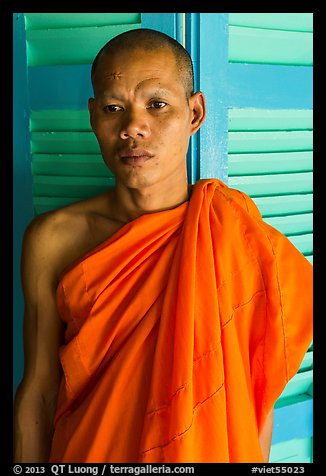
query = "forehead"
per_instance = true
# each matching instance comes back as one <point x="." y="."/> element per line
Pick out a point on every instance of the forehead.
<point x="125" y="67"/>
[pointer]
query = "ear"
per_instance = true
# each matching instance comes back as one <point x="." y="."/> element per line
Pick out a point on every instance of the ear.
<point x="197" y="104"/>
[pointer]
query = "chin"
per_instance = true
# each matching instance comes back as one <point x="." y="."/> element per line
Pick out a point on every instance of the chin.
<point x="138" y="179"/>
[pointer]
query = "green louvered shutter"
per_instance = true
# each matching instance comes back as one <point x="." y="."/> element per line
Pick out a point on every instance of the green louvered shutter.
<point x="270" y="158"/>
<point x="66" y="160"/>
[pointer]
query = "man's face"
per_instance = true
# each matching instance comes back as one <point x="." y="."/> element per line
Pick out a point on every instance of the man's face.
<point x="141" y="117"/>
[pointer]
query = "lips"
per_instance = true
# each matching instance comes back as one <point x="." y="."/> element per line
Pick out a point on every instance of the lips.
<point x="135" y="156"/>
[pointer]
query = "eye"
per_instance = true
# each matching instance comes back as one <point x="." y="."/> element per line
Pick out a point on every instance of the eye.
<point x="112" y="108"/>
<point x="158" y="104"/>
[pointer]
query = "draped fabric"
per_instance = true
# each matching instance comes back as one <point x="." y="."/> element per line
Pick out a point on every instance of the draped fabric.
<point x="183" y="329"/>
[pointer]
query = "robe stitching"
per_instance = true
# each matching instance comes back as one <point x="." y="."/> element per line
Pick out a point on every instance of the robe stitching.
<point x="280" y="298"/>
<point x="261" y="291"/>
<point x="281" y="305"/>
<point x="186" y="384"/>
<point x="180" y="435"/>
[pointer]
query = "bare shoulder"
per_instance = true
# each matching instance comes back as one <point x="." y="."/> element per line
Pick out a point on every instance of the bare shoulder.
<point x="46" y="225"/>
<point x="54" y="240"/>
<point x="45" y="229"/>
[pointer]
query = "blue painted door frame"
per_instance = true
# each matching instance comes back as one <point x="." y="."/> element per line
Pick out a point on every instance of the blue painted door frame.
<point x="169" y="23"/>
<point x="207" y="43"/>
<point x="22" y="182"/>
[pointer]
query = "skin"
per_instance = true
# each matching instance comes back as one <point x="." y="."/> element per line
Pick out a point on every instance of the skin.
<point x="139" y="104"/>
<point x="265" y="438"/>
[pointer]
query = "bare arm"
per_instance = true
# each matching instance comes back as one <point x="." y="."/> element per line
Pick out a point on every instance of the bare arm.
<point x="265" y="437"/>
<point x="35" y="401"/>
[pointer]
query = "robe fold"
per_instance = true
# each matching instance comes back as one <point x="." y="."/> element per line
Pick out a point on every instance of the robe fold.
<point x="182" y="330"/>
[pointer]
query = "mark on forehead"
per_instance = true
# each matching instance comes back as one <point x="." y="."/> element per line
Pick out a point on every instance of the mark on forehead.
<point x="143" y="81"/>
<point x="116" y="75"/>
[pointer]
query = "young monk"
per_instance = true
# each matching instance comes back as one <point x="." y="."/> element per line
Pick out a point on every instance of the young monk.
<point x="162" y="320"/>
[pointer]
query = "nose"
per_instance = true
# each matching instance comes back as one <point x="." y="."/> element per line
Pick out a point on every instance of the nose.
<point x="134" y="124"/>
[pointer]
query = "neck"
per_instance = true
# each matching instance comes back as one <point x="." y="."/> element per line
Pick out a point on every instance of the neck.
<point x="131" y="203"/>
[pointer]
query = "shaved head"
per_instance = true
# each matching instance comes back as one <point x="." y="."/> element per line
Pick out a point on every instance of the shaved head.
<point x="150" y="40"/>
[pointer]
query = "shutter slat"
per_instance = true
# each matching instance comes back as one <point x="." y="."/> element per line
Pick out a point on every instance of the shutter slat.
<point x="81" y="165"/>
<point x="279" y="21"/>
<point x="241" y="142"/>
<point x="69" y="45"/>
<point x="37" y="21"/>
<point x="64" y="142"/>
<point x="246" y="119"/>
<point x="284" y="205"/>
<point x="79" y="187"/>
<point x="307" y="362"/>
<point x="292" y="225"/>
<point x="304" y="243"/>
<point x="262" y="163"/>
<point x="280" y="184"/>
<point x="299" y="384"/>
<point x="60" y="120"/>
<point x="255" y="45"/>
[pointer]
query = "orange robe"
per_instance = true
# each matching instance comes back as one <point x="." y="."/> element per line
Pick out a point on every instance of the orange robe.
<point x="183" y="328"/>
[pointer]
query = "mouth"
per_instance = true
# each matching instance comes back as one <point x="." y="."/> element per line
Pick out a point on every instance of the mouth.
<point x="135" y="156"/>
